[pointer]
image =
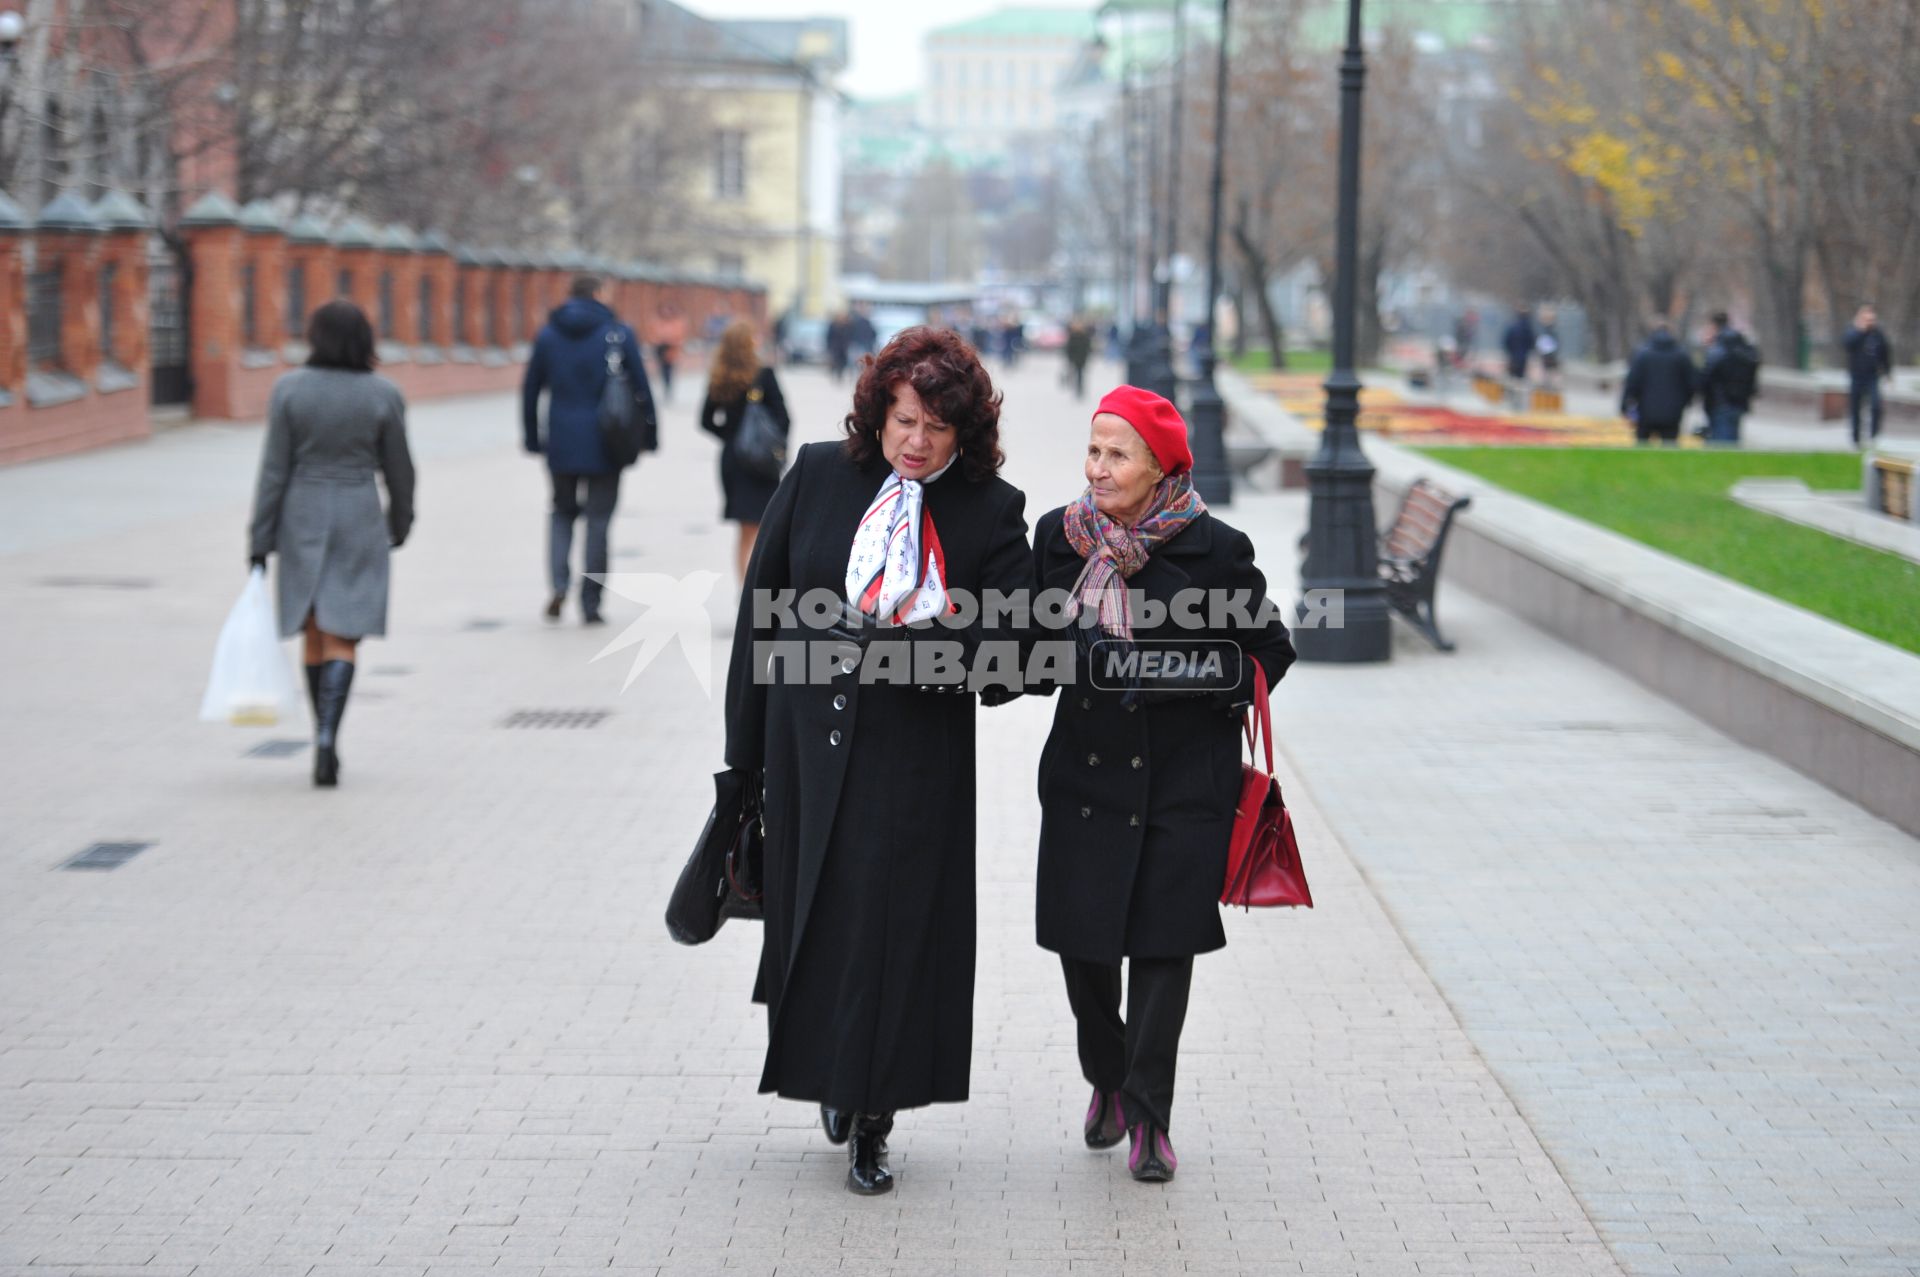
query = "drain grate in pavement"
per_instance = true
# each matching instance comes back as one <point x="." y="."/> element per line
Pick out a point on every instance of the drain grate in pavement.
<point x="277" y="749"/>
<point x="97" y="582"/>
<point x="556" y="718"/>
<point x="483" y="623"/>
<point x="103" y="856"/>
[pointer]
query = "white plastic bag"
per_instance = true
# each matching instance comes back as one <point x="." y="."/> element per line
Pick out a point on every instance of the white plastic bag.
<point x="252" y="683"/>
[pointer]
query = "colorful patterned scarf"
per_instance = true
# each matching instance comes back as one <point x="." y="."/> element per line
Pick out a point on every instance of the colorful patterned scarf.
<point x="1114" y="552"/>
<point x="896" y="569"/>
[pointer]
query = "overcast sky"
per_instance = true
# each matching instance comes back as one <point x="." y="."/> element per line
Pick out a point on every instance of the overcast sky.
<point x="885" y="34"/>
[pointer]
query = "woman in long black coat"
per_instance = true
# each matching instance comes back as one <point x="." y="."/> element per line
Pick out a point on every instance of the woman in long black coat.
<point x="737" y="379"/>
<point x="1139" y="777"/>
<point x="867" y="970"/>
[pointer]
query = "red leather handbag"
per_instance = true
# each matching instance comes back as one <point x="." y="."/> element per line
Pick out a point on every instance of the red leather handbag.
<point x="1263" y="859"/>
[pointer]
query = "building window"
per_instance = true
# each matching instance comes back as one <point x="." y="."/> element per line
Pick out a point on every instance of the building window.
<point x="730" y="165"/>
<point x="249" y="315"/>
<point x="108" y="275"/>
<point x="386" y="304"/>
<point x="426" y="311"/>
<point x="296" y="302"/>
<point x="43" y="318"/>
<point x="344" y="285"/>
<point x="729" y="265"/>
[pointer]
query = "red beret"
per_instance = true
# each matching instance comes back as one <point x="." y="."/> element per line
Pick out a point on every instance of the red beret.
<point x="1157" y="421"/>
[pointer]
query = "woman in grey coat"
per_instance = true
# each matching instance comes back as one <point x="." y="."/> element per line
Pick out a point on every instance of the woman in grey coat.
<point x="331" y="426"/>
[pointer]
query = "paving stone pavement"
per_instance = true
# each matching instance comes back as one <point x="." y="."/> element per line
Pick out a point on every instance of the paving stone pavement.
<point x="1695" y="970"/>
<point x="431" y="1023"/>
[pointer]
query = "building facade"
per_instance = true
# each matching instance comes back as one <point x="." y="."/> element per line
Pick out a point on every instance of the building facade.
<point x="990" y="81"/>
<point x="764" y="201"/>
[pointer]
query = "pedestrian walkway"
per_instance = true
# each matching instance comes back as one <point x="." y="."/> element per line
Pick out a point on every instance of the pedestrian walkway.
<point x="431" y="1022"/>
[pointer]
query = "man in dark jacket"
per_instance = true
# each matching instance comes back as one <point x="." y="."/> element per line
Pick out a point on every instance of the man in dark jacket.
<point x="1729" y="381"/>
<point x="569" y="361"/>
<point x="1661" y="382"/>
<point x="1518" y="341"/>
<point x="1869" y="358"/>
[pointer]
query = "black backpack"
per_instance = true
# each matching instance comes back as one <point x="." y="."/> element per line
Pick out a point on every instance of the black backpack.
<point x="1739" y="369"/>
<point x="625" y="431"/>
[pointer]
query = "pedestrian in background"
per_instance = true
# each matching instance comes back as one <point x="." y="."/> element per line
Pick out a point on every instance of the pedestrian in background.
<point x="737" y="379"/>
<point x="1079" y="349"/>
<point x="667" y="335"/>
<point x="332" y="426"/>
<point x="839" y="345"/>
<point x="1661" y="382"/>
<point x="1729" y="379"/>
<point x="868" y="964"/>
<point x="1138" y="784"/>
<point x="1869" y="358"/>
<point x="569" y="363"/>
<point x="1519" y="341"/>
<point x="1547" y="345"/>
<point x="862" y="337"/>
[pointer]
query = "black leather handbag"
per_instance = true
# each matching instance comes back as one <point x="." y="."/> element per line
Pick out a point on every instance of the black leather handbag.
<point x="722" y="878"/>
<point x="759" y="445"/>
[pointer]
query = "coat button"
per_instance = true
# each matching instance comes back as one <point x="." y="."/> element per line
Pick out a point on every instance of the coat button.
<point x="1086" y="702"/>
<point x="846" y="666"/>
<point x="1137" y="764"/>
<point x="1132" y="708"/>
<point x="1093" y="760"/>
<point x="1134" y="821"/>
<point x="839" y="702"/>
<point x="833" y="737"/>
<point x="1086" y="813"/>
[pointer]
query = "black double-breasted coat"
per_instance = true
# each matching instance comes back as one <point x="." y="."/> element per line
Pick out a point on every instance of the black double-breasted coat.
<point x="868" y="958"/>
<point x="1137" y="799"/>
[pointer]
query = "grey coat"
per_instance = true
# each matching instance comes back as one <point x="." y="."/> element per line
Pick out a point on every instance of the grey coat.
<point x="329" y="431"/>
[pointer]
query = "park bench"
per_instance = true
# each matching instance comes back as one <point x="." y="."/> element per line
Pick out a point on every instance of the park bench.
<point x="1410" y="555"/>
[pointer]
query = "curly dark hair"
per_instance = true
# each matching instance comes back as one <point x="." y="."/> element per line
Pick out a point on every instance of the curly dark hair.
<point x="947" y="375"/>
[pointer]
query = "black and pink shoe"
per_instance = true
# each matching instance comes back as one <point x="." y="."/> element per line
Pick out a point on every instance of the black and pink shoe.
<point x="1105" y="1124"/>
<point x="1151" y="1157"/>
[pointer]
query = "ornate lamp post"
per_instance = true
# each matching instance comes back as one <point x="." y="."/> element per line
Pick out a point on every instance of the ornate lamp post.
<point x="1342" y="540"/>
<point x="1206" y="413"/>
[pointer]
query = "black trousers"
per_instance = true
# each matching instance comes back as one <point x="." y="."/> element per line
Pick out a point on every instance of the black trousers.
<point x="603" y="494"/>
<point x="1136" y="1056"/>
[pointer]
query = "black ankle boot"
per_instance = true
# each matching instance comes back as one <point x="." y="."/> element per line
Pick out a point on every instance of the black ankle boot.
<point x="330" y="706"/>
<point x="1105" y="1125"/>
<point x="867" y="1172"/>
<point x="836" y="1124"/>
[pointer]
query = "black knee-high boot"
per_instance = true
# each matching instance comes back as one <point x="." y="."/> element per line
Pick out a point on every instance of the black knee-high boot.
<point x="330" y="706"/>
<point x="313" y="692"/>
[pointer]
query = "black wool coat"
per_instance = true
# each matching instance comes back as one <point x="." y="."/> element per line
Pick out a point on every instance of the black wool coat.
<point x="868" y="957"/>
<point x="1136" y="801"/>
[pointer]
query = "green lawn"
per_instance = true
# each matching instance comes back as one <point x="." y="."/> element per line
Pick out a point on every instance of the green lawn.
<point x="1314" y="361"/>
<point x="1677" y="501"/>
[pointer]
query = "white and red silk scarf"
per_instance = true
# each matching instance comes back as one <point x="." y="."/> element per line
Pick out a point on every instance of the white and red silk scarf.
<point x="1114" y="551"/>
<point x="897" y="571"/>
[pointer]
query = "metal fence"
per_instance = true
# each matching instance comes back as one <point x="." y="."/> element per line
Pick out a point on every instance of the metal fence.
<point x="44" y="319"/>
<point x="109" y="275"/>
<point x="167" y="326"/>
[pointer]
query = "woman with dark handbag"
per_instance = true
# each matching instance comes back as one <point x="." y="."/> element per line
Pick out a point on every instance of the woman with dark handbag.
<point x="1141" y="772"/>
<point x="743" y="393"/>
<point x="868" y="859"/>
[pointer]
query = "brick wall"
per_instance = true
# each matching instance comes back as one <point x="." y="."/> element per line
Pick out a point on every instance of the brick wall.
<point x="89" y="396"/>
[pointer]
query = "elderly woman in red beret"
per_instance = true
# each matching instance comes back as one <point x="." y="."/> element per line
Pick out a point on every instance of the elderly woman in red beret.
<point x="1140" y="774"/>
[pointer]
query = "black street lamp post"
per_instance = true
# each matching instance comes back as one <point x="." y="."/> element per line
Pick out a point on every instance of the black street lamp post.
<point x="1343" y="608"/>
<point x="1206" y="413"/>
<point x="1156" y="371"/>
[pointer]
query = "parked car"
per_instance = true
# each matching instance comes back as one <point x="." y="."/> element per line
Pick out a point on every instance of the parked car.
<point x="805" y="342"/>
<point x="1046" y="334"/>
